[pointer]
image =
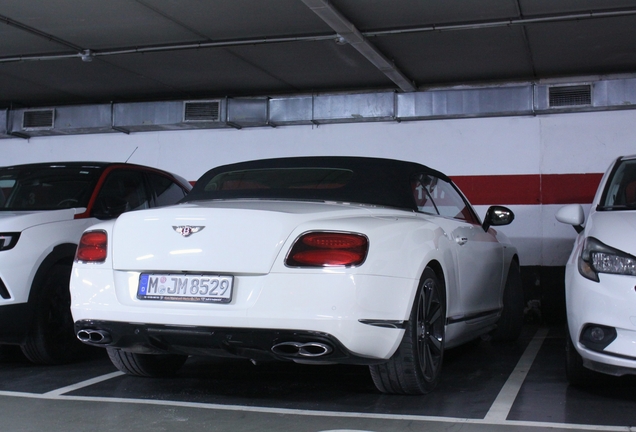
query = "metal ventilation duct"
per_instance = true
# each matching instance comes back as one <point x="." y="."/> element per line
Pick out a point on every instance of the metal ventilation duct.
<point x="294" y="110"/>
<point x="202" y="111"/>
<point x="67" y="120"/>
<point x="38" y="119"/>
<point x="590" y="95"/>
<point x="617" y="93"/>
<point x="177" y="115"/>
<point x="475" y="102"/>
<point x="571" y="95"/>
<point x="350" y="108"/>
<point x="248" y="112"/>
<point x="442" y="103"/>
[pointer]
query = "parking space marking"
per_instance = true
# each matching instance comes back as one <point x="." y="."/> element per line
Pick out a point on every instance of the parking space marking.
<point x="310" y="413"/>
<point x="83" y="384"/>
<point x="503" y="403"/>
<point x="496" y="416"/>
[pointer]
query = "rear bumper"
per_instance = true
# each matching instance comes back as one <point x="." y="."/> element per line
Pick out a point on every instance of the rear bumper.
<point x="328" y="303"/>
<point x="257" y="344"/>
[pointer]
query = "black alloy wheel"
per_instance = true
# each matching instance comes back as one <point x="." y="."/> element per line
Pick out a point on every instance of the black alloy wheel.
<point x="415" y="367"/>
<point x="430" y="330"/>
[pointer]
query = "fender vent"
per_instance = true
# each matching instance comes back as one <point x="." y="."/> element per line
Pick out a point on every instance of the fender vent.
<point x="570" y="95"/>
<point x="201" y="111"/>
<point x="38" y="119"/>
<point x="4" y="293"/>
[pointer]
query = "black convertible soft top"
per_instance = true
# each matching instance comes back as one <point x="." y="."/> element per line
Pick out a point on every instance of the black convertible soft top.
<point x="365" y="180"/>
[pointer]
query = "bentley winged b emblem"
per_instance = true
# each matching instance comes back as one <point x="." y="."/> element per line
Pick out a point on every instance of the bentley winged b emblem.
<point x="186" y="230"/>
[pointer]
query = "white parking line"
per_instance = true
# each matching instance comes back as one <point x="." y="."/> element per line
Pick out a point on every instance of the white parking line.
<point x="83" y="384"/>
<point x="500" y="408"/>
<point x="311" y="413"/>
<point x="496" y="416"/>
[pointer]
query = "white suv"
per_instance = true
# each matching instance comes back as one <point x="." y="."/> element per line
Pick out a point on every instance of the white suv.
<point x="44" y="208"/>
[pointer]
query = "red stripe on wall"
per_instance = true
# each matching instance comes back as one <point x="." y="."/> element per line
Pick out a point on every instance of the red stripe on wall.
<point x="529" y="188"/>
<point x="570" y="188"/>
<point x="503" y="189"/>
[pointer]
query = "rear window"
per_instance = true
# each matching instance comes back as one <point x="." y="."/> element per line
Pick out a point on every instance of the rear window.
<point x="343" y="179"/>
<point x="280" y="178"/>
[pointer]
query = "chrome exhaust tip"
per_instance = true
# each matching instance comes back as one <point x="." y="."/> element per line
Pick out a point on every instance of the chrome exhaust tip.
<point x="93" y="336"/>
<point x="301" y="349"/>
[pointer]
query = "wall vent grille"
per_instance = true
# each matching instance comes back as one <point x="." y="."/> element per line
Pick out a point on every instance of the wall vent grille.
<point x="576" y="95"/>
<point x="38" y="119"/>
<point x="202" y="111"/>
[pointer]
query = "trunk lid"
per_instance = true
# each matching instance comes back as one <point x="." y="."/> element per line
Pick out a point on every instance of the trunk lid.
<point x="233" y="237"/>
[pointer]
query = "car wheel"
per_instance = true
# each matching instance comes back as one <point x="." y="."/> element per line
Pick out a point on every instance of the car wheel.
<point x="510" y="322"/>
<point x="575" y="372"/>
<point x="51" y="338"/>
<point x="146" y="365"/>
<point x="416" y="365"/>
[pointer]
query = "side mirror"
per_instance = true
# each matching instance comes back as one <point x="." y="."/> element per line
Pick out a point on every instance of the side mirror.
<point x="572" y="214"/>
<point x="498" y="216"/>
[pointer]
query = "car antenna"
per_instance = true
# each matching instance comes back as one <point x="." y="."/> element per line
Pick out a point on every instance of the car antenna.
<point x="133" y="152"/>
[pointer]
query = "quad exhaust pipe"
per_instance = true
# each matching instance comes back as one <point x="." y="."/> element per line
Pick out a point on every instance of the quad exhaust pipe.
<point x="301" y="349"/>
<point x="94" y="336"/>
<point x="283" y="349"/>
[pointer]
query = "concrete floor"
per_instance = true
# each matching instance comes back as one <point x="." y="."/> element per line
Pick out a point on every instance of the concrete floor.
<point x="484" y="387"/>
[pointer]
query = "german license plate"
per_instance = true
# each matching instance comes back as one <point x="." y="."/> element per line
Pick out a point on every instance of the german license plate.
<point x="186" y="288"/>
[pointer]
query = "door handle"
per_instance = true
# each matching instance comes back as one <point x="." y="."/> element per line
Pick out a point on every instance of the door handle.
<point x="461" y="240"/>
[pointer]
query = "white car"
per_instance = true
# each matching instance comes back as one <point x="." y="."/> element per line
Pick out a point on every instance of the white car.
<point x="313" y="260"/>
<point x="44" y="209"/>
<point x="600" y="278"/>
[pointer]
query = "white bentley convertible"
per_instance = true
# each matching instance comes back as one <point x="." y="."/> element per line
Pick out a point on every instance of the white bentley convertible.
<point x="314" y="260"/>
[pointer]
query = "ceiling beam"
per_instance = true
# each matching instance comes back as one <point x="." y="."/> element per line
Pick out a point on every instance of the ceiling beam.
<point x="348" y="33"/>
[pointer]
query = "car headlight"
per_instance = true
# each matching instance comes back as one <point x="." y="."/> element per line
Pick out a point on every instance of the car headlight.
<point x="8" y="240"/>
<point x="597" y="257"/>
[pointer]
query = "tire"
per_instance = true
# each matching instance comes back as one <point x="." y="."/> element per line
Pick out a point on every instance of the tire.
<point x="51" y="337"/>
<point x="416" y="365"/>
<point x="146" y="365"/>
<point x="510" y="322"/>
<point x="575" y="372"/>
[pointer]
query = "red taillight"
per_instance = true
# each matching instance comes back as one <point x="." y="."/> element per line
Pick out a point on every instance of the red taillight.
<point x="323" y="249"/>
<point x="92" y="247"/>
<point x="334" y="240"/>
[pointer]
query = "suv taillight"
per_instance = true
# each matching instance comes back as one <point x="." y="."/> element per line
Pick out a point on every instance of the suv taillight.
<point x="92" y="247"/>
<point x="327" y="249"/>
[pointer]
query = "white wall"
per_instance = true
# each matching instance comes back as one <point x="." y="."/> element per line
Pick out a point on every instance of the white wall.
<point x="551" y="144"/>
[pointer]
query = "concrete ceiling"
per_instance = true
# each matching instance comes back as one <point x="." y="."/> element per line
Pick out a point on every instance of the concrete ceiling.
<point x="58" y="52"/>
